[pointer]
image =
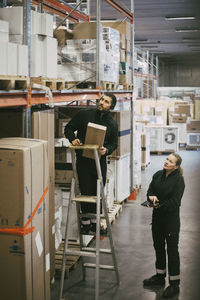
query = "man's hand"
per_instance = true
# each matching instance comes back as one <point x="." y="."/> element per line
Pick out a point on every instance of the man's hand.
<point x="155" y="200"/>
<point x="76" y="142"/>
<point x="102" y="150"/>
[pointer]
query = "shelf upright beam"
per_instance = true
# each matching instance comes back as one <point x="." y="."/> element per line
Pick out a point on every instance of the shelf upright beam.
<point x="152" y="74"/>
<point x="132" y="102"/>
<point x="98" y="41"/>
<point x="157" y="75"/>
<point x="147" y="74"/>
<point x="88" y="9"/>
<point x="27" y="41"/>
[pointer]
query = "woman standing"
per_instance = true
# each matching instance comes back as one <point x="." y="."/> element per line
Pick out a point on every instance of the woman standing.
<point x="165" y="192"/>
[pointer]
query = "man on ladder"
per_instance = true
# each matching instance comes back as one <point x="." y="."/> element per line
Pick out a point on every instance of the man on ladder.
<point x="86" y="167"/>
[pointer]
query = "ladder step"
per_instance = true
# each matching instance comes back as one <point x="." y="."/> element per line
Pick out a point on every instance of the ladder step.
<point x="104" y="267"/>
<point x="104" y="251"/>
<point x="91" y="215"/>
<point x="80" y="253"/>
<point x="84" y="198"/>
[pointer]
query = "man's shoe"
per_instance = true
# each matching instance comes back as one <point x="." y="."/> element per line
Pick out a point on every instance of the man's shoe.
<point x="171" y="291"/>
<point x="154" y="280"/>
<point x="103" y="231"/>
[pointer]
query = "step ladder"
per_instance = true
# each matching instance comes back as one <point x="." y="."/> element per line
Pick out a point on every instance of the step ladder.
<point x="88" y="251"/>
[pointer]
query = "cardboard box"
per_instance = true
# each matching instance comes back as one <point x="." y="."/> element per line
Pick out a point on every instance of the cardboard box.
<point x="193" y="126"/>
<point x="95" y="135"/>
<point x="24" y="177"/>
<point x="197" y="108"/>
<point x="3" y="58"/>
<point x="63" y="176"/>
<point x="123" y="121"/>
<point x="4" y="30"/>
<point x="43" y="128"/>
<point x="178" y="119"/>
<point x="183" y="109"/>
<point x="22" y="60"/>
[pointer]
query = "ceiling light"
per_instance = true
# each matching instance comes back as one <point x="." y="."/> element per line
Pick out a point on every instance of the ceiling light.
<point x="179" y="18"/>
<point x="194" y="46"/>
<point x="148" y="46"/>
<point x="140" y="41"/>
<point x="189" y="39"/>
<point x="187" y="30"/>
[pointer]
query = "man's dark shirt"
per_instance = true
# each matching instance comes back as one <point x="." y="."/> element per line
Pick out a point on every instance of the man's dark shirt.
<point x="80" y="121"/>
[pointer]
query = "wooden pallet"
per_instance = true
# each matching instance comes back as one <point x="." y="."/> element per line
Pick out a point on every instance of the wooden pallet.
<point x="113" y="213"/>
<point x="128" y="86"/>
<point x="71" y="262"/>
<point x="52" y="83"/>
<point x="13" y="82"/>
<point x="107" y="85"/>
<point x="74" y="85"/>
<point x="193" y="148"/>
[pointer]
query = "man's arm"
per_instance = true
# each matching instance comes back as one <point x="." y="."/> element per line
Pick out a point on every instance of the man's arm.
<point x="112" y="144"/>
<point x="71" y="127"/>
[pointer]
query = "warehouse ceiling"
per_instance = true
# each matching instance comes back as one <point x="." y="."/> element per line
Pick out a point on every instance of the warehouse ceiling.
<point x="170" y="39"/>
<point x="156" y="29"/>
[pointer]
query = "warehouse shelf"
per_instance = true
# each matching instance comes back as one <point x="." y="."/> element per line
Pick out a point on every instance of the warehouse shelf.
<point x="9" y="99"/>
<point x="121" y="9"/>
<point x="58" y="8"/>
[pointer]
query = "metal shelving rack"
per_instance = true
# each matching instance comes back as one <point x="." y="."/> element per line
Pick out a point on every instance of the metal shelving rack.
<point x="151" y="73"/>
<point x="28" y="98"/>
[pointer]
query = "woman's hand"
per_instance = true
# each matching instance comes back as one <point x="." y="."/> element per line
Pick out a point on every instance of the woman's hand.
<point x="154" y="200"/>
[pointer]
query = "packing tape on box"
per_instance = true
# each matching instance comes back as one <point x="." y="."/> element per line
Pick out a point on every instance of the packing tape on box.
<point x="25" y="230"/>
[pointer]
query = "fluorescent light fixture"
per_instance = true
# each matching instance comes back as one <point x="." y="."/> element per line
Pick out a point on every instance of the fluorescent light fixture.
<point x="140" y="41"/>
<point x="179" y="18"/>
<point x="187" y="30"/>
<point x="148" y="46"/>
<point x="191" y="39"/>
<point x="158" y="52"/>
<point x="194" y="46"/>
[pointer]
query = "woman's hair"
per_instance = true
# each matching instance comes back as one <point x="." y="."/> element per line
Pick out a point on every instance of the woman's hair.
<point x="178" y="162"/>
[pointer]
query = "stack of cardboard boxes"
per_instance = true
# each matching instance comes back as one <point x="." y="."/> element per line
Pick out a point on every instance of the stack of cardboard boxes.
<point x="24" y="220"/>
<point x="43" y="45"/>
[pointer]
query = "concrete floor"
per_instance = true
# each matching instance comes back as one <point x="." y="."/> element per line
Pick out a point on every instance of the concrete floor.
<point x="134" y="249"/>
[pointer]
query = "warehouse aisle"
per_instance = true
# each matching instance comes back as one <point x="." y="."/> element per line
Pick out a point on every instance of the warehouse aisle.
<point x="134" y="249"/>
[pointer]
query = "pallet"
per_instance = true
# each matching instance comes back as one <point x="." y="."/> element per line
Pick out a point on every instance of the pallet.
<point x="107" y="85"/>
<point x="77" y="85"/>
<point x="52" y="83"/>
<point x="13" y="82"/>
<point x="71" y="262"/>
<point x="128" y="86"/>
<point x="113" y="213"/>
<point x="193" y="148"/>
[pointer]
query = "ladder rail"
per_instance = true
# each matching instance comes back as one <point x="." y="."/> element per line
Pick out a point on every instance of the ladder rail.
<point x="66" y="240"/>
<point x="92" y="252"/>
<point x="106" y="215"/>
